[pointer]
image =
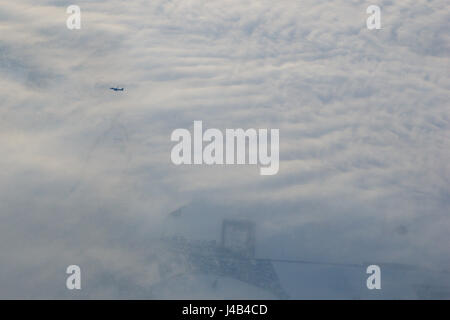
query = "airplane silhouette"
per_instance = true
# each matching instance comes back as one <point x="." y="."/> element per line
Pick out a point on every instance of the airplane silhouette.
<point x="117" y="89"/>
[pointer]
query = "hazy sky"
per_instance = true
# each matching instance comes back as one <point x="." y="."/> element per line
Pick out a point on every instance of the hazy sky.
<point x="87" y="178"/>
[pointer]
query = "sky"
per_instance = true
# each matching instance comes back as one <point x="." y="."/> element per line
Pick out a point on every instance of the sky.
<point x="87" y="178"/>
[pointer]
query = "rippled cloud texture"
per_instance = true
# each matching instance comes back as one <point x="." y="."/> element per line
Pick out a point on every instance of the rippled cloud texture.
<point x="87" y="177"/>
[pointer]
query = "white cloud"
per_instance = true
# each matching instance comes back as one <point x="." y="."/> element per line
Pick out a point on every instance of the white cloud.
<point x="363" y="118"/>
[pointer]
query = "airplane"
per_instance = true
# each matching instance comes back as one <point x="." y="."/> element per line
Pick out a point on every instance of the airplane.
<point x="117" y="89"/>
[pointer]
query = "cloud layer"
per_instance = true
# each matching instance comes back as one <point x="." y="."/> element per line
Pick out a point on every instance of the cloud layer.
<point x="87" y="178"/>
